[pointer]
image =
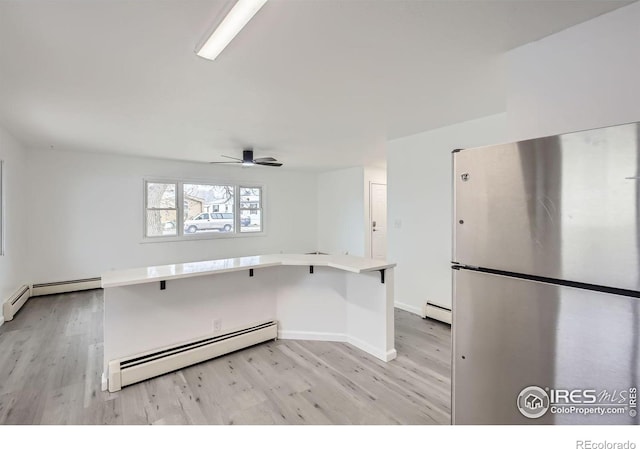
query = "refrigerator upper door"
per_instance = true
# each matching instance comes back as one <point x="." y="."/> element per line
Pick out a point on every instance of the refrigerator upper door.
<point x="510" y="334"/>
<point x="564" y="207"/>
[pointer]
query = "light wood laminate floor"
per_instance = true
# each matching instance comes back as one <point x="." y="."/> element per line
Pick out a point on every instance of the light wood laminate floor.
<point x="51" y="363"/>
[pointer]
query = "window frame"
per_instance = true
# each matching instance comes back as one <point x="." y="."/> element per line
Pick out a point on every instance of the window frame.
<point x="146" y="209"/>
<point x="181" y="235"/>
<point x="260" y="207"/>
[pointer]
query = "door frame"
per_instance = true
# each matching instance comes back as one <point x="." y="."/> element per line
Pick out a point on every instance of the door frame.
<point x="370" y="218"/>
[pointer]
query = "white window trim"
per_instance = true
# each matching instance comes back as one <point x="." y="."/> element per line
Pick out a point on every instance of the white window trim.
<point x="181" y="236"/>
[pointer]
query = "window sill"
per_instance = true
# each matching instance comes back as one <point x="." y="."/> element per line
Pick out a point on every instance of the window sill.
<point x="203" y="236"/>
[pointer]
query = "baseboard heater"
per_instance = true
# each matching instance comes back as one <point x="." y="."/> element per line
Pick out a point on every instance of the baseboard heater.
<point x="437" y="312"/>
<point x="51" y="288"/>
<point x="134" y="369"/>
<point x="15" y="302"/>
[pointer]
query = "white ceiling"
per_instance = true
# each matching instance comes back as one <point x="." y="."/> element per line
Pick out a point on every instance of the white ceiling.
<point x="317" y="84"/>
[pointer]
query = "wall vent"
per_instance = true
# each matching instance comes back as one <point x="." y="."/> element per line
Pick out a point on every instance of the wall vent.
<point x="437" y="312"/>
<point x="15" y="302"/>
<point x="51" y="288"/>
<point x="139" y="367"/>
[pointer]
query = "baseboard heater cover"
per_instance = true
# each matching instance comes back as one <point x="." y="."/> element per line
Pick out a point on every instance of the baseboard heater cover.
<point x="438" y="313"/>
<point x="15" y="302"/>
<point x="134" y="369"/>
<point x="51" y="288"/>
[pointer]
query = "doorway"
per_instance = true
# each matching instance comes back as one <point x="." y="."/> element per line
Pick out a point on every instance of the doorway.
<point x="378" y="229"/>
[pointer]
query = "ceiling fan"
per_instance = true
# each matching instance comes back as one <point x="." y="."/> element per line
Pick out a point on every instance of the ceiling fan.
<point x="248" y="160"/>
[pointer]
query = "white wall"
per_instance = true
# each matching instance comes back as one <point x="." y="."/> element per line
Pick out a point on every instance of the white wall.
<point x="340" y="211"/>
<point x="13" y="266"/>
<point x="87" y="214"/>
<point x="344" y="222"/>
<point x="581" y="78"/>
<point x="419" y="207"/>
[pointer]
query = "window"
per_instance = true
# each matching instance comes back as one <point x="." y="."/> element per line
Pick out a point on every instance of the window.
<point x="210" y="198"/>
<point x="250" y="209"/>
<point x="185" y="210"/>
<point x="162" y="211"/>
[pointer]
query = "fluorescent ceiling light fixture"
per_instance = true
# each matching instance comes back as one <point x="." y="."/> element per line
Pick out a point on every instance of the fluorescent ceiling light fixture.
<point x="237" y="18"/>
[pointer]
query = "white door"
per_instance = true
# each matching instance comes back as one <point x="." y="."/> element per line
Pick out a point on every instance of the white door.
<point x="378" y="197"/>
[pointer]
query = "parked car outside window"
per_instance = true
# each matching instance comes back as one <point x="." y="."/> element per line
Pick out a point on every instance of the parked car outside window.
<point x="208" y="222"/>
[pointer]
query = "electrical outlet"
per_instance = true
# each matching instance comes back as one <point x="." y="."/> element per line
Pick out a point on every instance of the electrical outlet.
<point x="217" y="325"/>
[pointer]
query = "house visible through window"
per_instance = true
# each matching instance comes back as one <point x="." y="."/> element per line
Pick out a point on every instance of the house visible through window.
<point x="181" y="209"/>
<point x="210" y="208"/>
<point x="250" y="209"/>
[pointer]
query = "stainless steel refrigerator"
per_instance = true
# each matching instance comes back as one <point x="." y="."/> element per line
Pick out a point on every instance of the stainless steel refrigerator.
<point x="546" y="259"/>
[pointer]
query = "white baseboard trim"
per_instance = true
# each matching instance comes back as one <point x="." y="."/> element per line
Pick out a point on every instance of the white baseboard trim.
<point x="391" y="355"/>
<point x="52" y="288"/>
<point x="384" y="356"/>
<point x="409" y="308"/>
<point x="1" y="320"/>
<point x="330" y="336"/>
<point x="317" y="336"/>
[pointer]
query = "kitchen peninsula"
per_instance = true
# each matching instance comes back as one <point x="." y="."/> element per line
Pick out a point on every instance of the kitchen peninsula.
<point x="162" y="318"/>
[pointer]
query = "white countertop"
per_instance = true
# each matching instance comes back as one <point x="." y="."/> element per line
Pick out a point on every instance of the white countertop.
<point x="144" y="275"/>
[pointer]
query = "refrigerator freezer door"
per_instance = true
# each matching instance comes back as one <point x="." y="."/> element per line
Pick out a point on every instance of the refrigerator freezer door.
<point x="564" y="207"/>
<point x="510" y="333"/>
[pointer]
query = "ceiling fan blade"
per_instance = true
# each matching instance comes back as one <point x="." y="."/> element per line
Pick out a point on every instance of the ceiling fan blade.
<point x="229" y="157"/>
<point x="239" y="162"/>
<point x="269" y="164"/>
<point x="265" y="159"/>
